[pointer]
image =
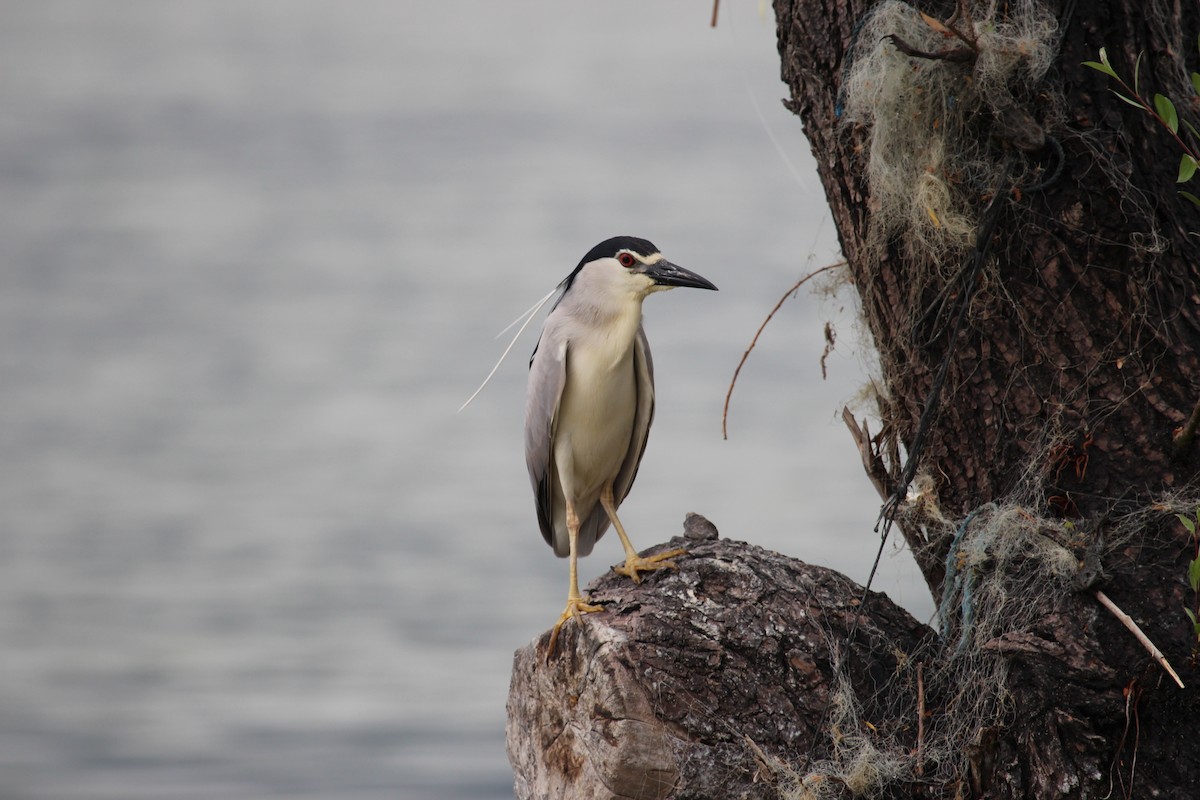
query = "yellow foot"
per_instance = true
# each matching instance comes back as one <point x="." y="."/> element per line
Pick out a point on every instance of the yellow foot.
<point x="657" y="561"/>
<point x="575" y="607"/>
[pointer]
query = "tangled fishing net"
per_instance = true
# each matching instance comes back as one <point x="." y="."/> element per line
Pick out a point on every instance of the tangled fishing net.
<point x="1008" y="569"/>
<point x="937" y="126"/>
<point x="858" y="766"/>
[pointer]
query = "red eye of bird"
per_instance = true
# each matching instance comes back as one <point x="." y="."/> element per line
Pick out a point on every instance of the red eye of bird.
<point x="627" y="260"/>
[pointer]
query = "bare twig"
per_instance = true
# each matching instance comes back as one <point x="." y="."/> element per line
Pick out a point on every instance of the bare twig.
<point x="1128" y="622"/>
<point x="1133" y="695"/>
<point x="768" y="767"/>
<point x="959" y="55"/>
<point x="754" y="341"/>
<point x="830" y="339"/>
<point x="872" y="463"/>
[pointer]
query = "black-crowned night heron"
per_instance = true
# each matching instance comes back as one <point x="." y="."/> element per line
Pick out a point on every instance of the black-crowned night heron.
<point x="591" y="401"/>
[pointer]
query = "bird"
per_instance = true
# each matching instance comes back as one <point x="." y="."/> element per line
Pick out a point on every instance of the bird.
<point x="590" y="402"/>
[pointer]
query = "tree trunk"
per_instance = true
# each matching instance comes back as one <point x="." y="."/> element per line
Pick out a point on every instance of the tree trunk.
<point x="1027" y="271"/>
<point x="1074" y="369"/>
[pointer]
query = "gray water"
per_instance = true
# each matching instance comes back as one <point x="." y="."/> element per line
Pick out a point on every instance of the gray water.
<point x="252" y="258"/>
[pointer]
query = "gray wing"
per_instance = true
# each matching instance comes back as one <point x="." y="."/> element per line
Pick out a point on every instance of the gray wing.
<point x="547" y="376"/>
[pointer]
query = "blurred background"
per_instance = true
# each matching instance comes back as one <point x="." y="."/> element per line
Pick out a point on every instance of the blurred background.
<point x="253" y="256"/>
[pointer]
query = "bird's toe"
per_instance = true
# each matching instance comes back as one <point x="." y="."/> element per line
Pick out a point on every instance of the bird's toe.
<point x="635" y="564"/>
<point x="576" y="606"/>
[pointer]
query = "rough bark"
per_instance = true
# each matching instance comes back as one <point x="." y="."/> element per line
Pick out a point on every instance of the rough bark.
<point x="1079" y="361"/>
<point x="1081" y="327"/>
<point x="705" y="682"/>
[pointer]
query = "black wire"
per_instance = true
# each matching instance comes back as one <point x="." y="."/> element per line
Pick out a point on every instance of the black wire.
<point x="983" y="246"/>
<point x="1060" y="160"/>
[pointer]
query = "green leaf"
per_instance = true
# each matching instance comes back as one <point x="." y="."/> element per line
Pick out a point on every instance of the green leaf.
<point x="1189" y="196"/>
<point x="1196" y="81"/>
<point x="1194" y="574"/>
<point x="1187" y="523"/>
<point x="1102" y="66"/>
<point x="1137" y="68"/>
<point x="1195" y="622"/>
<point x="1187" y="168"/>
<point x="1190" y="127"/>
<point x="1131" y="102"/>
<point x="1166" y="111"/>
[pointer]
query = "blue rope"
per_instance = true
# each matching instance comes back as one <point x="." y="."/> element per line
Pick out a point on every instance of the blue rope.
<point x="968" y="611"/>
<point x="953" y="579"/>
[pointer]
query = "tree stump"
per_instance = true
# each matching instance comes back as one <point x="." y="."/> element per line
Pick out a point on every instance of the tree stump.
<point x="703" y="682"/>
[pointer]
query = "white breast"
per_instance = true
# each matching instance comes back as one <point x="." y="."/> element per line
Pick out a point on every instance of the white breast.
<point x="598" y="405"/>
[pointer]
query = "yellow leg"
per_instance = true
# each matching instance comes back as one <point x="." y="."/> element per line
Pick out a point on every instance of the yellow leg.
<point x="634" y="562"/>
<point x="576" y="603"/>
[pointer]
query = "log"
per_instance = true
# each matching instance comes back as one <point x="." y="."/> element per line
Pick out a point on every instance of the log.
<point x="706" y="681"/>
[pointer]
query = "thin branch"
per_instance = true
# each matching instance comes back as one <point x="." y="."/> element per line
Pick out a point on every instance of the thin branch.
<point x="1128" y="622"/>
<point x="754" y="341"/>
<point x="1152" y="111"/>
<point x="871" y="461"/>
